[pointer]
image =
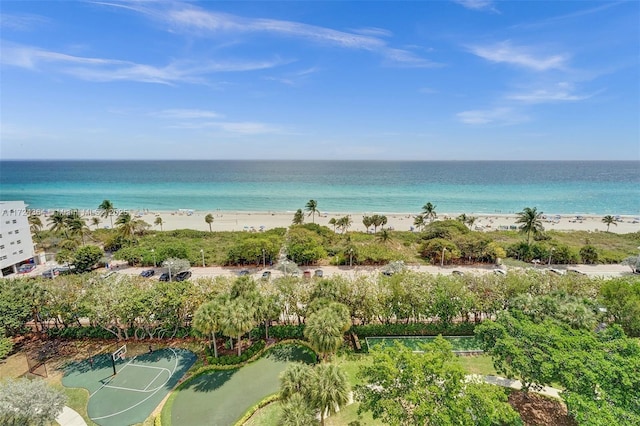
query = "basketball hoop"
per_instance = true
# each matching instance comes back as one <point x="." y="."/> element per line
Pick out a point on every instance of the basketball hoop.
<point x="119" y="354"/>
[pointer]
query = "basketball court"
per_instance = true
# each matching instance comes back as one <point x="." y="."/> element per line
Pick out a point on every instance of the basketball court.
<point x="140" y="384"/>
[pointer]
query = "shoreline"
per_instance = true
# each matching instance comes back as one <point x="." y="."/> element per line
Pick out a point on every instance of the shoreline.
<point x="256" y="221"/>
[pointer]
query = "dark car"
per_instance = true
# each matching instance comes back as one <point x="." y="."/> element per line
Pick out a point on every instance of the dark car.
<point x="147" y="273"/>
<point x="387" y="273"/>
<point x="184" y="275"/>
<point x="318" y="273"/>
<point x="266" y="275"/>
<point x="23" y="269"/>
<point x="243" y="272"/>
<point x="456" y="272"/>
<point x="164" y="277"/>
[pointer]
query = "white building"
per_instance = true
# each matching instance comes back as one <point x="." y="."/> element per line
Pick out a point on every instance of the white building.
<point x="16" y="245"/>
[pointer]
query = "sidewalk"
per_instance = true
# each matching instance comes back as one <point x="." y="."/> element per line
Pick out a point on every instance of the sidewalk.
<point x="69" y="417"/>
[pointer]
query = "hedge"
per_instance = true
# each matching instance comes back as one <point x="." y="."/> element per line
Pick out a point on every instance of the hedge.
<point x="235" y="359"/>
<point x="280" y="332"/>
<point x="414" y="329"/>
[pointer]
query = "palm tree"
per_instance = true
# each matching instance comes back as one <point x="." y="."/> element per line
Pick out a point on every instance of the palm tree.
<point x="107" y="210"/>
<point x="384" y="236"/>
<point x="297" y="412"/>
<point x="294" y="380"/>
<point x="377" y="220"/>
<point x="58" y="222"/>
<point x="471" y="220"/>
<point x="76" y="225"/>
<point x="207" y="321"/>
<point x="323" y="332"/>
<point x="344" y="223"/>
<point x="530" y="221"/>
<point x="126" y="225"/>
<point x="367" y="221"/>
<point x="312" y="208"/>
<point x="429" y="211"/>
<point x="35" y="224"/>
<point x="419" y="222"/>
<point x="329" y="389"/>
<point x="159" y="221"/>
<point x="609" y="220"/>
<point x="237" y="320"/>
<point x="209" y="219"/>
<point x="298" y="217"/>
<point x="333" y="222"/>
<point x="95" y="221"/>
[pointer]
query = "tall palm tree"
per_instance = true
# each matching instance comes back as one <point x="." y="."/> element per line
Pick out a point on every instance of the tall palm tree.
<point x="376" y="220"/>
<point x="209" y="219"/>
<point x="333" y="222"/>
<point x="329" y="389"/>
<point x="323" y="332"/>
<point x="609" y="220"/>
<point x="298" y="217"/>
<point x="237" y="320"/>
<point x="367" y="221"/>
<point x="159" y="221"/>
<point x="126" y="225"/>
<point x="419" y="222"/>
<point x="35" y="224"/>
<point x="207" y="321"/>
<point x="429" y="211"/>
<point x="58" y="222"/>
<point x="312" y="208"/>
<point x="294" y="380"/>
<point x="384" y="236"/>
<point x="76" y="225"/>
<point x="344" y="223"/>
<point x="95" y="221"/>
<point x="530" y="221"/>
<point x="107" y="210"/>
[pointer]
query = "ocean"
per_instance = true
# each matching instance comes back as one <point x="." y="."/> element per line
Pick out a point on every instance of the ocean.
<point x="554" y="187"/>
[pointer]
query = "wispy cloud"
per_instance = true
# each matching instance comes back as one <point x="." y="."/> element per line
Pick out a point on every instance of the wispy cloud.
<point x="522" y="56"/>
<point x="186" y="113"/>
<point x="188" y="118"/>
<point x="562" y="92"/>
<point x="192" y="19"/>
<point x="477" y="4"/>
<point x="104" y="70"/>
<point x="503" y="116"/>
<point x="22" y="22"/>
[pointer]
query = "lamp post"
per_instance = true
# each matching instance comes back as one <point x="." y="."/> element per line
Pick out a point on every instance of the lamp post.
<point x="442" y="257"/>
<point x="264" y="258"/>
<point x="170" y="266"/>
<point x="550" y="254"/>
<point x="153" y="252"/>
<point x="202" y="253"/>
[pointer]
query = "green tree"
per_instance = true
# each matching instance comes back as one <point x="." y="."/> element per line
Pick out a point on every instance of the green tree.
<point x="6" y="345"/>
<point x="419" y="222"/>
<point x="85" y="258"/>
<point x="159" y="222"/>
<point x="295" y="380"/>
<point x="237" y="319"/>
<point x="621" y="298"/>
<point x="35" y="225"/>
<point x="329" y="389"/>
<point x="530" y="221"/>
<point x="312" y="208"/>
<point x="76" y="225"/>
<point x="401" y="387"/>
<point x="297" y="412"/>
<point x="57" y="222"/>
<point x="209" y="219"/>
<point x="589" y="254"/>
<point x="324" y="331"/>
<point x="344" y="223"/>
<point x="298" y="217"/>
<point x="25" y="402"/>
<point x="107" y="210"/>
<point x="95" y="221"/>
<point x="367" y="221"/>
<point x="609" y="220"/>
<point x="429" y="212"/>
<point x="207" y="321"/>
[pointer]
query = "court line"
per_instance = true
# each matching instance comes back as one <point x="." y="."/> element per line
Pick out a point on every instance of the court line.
<point x="175" y="356"/>
<point x="154" y="379"/>
<point x="111" y="378"/>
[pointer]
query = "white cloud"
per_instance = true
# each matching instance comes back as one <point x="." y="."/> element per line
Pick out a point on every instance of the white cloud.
<point x="104" y="70"/>
<point x="186" y="114"/>
<point x="562" y="92"/>
<point x="500" y="116"/>
<point x="21" y="22"/>
<point x="192" y="19"/>
<point x="477" y="4"/>
<point x="522" y="56"/>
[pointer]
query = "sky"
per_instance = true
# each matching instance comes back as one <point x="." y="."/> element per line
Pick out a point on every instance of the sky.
<point x="397" y="80"/>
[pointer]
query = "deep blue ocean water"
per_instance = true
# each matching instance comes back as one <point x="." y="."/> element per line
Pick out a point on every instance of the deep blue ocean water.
<point x="586" y="187"/>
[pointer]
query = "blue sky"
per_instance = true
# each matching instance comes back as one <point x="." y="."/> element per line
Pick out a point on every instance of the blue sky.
<point x="425" y="80"/>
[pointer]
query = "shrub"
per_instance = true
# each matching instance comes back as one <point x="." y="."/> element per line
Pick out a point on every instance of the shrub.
<point x="235" y="359"/>
<point x="417" y="329"/>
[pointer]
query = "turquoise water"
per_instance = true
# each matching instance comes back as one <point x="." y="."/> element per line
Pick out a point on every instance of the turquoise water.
<point x="338" y="186"/>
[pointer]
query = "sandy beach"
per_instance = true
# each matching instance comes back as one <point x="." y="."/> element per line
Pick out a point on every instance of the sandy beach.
<point x="260" y="221"/>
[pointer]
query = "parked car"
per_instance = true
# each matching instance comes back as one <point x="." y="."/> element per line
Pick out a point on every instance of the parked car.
<point x="456" y="272"/>
<point x="387" y="272"/>
<point x="266" y="275"/>
<point x="147" y="273"/>
<point x="164" y="277"/>
<point x="26" y="268"/>
<point x="64" y="270"/>
<point x="49" y="273"/>
<point x="318" y="273"/>
<point x="244" y="272"/>
<point x="306" y="274"/>
<point x="184" y="275"/>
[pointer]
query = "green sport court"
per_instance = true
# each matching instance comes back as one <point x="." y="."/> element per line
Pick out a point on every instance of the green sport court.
<point x="221" y="397"/>
<point x="461" y="344"/>
<point x="130" y="396"/>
